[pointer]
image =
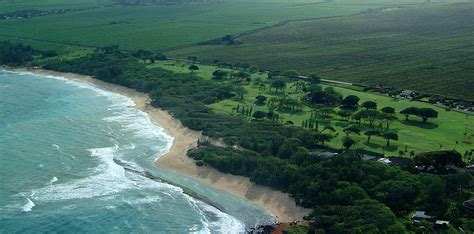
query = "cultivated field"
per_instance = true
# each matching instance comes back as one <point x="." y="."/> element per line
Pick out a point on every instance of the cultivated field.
<point x="425" y="47"/>
<point x="158" y="27"/>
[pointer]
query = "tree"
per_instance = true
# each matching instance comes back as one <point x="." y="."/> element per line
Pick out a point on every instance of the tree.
<point x="386" y="119"/>
<point x="193" y="68"/>
<point x="426" y="113"/>
<point x="369" y="105"/>
<point x="345" y="114"/>
<point x="241" y="75"/>
<point x="314" y="79"/>
<point x="369" y="115"/>
<point x="409" y="111"/>
<point x="220" y="74"/>
<point x="390" y="136"/>
<point x="278" y="85"/>
<point x="289" y="147"/>
<point x="364" y="216"/>
<point x="261" y="99"/>
<point x="388" y="110"/>
<point x="350" y="101"/>
<point x="370" y="133"/>
<point x="328" y="96"/>
<point x="352" y="129"/>
<point x="319" y="137"/>
<point x="348" y="142"/>
<point x="439" y="159"/>
<point x="259" y="114"/>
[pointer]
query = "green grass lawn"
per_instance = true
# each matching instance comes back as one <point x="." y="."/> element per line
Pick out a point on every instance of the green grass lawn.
<point x="427" y="48"/>
<point x="437" y="134"/>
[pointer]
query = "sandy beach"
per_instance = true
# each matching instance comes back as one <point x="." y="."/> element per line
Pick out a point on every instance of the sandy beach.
<point x="277" y="203"/>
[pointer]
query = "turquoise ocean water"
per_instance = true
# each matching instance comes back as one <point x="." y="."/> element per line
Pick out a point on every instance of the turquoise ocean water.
<point x="63" y="148"/>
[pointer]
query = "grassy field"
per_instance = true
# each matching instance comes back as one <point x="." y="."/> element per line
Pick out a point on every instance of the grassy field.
<point x="158" y="27"/>
<point x="440" y="133"/>
<point x="18" y="5"/>
<point x="427" y="48"/>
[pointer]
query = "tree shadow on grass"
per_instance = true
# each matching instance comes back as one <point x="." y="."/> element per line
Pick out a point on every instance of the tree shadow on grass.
<point x="391" y="148"/>
<point x="419" y="124"/>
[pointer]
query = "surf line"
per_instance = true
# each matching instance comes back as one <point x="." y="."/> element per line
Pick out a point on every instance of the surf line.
<point x="185" y="189"/>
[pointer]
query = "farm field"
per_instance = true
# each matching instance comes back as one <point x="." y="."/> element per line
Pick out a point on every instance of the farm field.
<point x="17" y="5"/>
<point x="451" y="130"/>
<point x="427" y="48"/>
<point x="159" y="27"/>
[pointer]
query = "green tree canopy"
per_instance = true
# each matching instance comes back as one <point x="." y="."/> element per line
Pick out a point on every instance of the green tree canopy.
<point x="369" y="105"/>
<point x="193" y="68"/>
<point x="370" y="133"/>
<point x="314" y="79"/>
<point x="351" y="101"/>
<point x="388" y="110"/>
<point x="259" y="114"/>
<point x="426" y="113"/>
<point x="390" y="136"/>
<point x="409" y="111"/>
<point x="348" y="142"/>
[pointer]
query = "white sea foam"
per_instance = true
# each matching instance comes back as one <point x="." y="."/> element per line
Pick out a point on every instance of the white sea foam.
<point x="107" y="178"/>
<point x="28" y="206"/>
<point x="145" y="200"/>
<point x="54" y="179"/>
<point x="223" y="222"/>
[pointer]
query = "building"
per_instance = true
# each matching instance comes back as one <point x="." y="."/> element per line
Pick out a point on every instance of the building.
<point x="408" y="94"/>
<point x="420" y="215"/>
<point x="441" y="224"/>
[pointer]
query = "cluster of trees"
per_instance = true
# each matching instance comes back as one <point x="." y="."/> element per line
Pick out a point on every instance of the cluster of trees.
<point x="14" y="54"/>
<point x="328" y="96"/>
<point x="346" y="193"/>
<point x="245" y="111"/>
<point x="146" y="56"/>
<point x="349" y="111"/>
<point x="439" y="160"/>
<point x="234" y="76"/>
<point x="423" y="113"/>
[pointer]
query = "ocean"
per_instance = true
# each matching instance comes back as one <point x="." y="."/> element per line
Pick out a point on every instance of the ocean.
<point x="72" y="160"/>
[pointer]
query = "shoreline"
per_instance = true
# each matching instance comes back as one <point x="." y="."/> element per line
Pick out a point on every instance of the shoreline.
<point x="176" y="160"/>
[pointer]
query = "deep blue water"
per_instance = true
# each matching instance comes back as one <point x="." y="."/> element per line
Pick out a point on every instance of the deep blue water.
<point x="58" y="142"/>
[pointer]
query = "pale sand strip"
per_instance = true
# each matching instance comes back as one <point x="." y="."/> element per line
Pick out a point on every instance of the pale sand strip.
<point x="276" y="202"/>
